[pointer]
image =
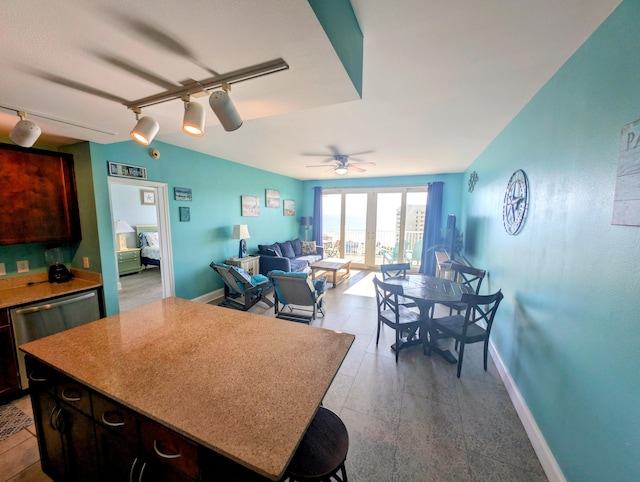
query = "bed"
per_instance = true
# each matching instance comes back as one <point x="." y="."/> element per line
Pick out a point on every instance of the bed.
<point x="147" y="235"/>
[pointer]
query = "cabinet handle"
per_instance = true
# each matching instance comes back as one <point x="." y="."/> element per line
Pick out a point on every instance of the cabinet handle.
<point x="68" y="398"/>
<point x="133" y="467"/>
<point x="51" y="423"/>
<point x="33" y="378"/>
<point x="165" y="456"/>
<point x="111" y="424"/>
<point x="144" y="466"/>
<point x="57" y="425"/>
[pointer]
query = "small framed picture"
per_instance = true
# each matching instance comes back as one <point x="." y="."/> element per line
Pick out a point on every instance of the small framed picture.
<point x="182" y="194"/>
<point x="185" y="214"/>
<point x="250" y="206"/>
<point x="147" y="196"/>
<point x="289" y="207"/>
<point x="272" y="198"/>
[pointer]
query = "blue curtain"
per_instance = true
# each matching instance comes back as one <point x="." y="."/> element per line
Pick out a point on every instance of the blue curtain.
<point x="317" y="215"/>
<point x="432" y="228"/>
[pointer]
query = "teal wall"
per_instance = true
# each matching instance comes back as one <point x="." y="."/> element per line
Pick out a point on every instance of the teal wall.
<point x="217" y="186"/>
<point x="568" y="327"/>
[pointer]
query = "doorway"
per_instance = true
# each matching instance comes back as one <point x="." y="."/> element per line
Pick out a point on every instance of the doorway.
<point x="143" y="206"/>
<point x="374" y="226"/>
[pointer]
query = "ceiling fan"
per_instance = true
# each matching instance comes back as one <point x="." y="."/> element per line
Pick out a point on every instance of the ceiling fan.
<point x="341" y="163"/>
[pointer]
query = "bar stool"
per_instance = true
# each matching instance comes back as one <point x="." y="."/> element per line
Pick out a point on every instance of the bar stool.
<point x="322" y="451"/>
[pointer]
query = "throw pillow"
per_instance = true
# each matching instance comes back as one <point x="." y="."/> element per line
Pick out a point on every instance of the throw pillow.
<point x="297" y="246"/>
<point x="273" y="252"/>
<point x="287" y="250"/>
<point x="308" y="247"/>
<point x="262" y="248"/>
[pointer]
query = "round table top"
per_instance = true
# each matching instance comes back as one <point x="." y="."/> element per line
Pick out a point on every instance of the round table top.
<point x="422" y="287"/>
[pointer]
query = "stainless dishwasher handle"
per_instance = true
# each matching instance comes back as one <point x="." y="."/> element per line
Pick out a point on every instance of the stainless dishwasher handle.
<point x="48" y="306"/>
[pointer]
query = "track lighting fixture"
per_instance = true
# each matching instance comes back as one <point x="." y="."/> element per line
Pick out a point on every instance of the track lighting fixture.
<point x="146" y="128"/>
<point x="193" y="122"/>
<point x="224" y="109"/>
<point x="25" y="133"/>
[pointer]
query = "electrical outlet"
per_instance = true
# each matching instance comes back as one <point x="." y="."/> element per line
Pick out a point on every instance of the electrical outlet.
<point x="3" y="270"/>
<point x="23" y="266"/>
<point x="85" y="261"/>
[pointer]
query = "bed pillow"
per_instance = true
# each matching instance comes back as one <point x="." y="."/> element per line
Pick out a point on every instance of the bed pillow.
<point x="297" y="247"/>
<point x="152" y="239"/>
<point x="287" y="250"/>
<point x="308" y="247"/>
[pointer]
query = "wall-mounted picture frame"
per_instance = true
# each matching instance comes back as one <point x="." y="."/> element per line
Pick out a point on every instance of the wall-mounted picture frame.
<point x="250" y="206"/>
<point x="124" y="170"/>
<point x="272" y="198"/>
<point x="185" y="214"/>
<point x="182" y="194"/>
<point x="289" y="207"/>
<point x="147" y="197"/>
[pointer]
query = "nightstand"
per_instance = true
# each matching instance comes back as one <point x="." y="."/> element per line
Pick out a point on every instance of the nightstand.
<point x="251" y="264"/>
<point x="129" y="261"/>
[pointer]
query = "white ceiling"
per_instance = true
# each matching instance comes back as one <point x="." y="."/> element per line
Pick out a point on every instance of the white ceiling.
<point x="441" y="78"/>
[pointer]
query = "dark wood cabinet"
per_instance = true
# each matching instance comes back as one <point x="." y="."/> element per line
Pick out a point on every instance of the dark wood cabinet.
<point x="38" y="196"/>
<point x="9" y="380"/>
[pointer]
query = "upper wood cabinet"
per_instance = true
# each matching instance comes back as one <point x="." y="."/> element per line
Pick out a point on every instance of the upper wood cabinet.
<point x="38" y="197"/>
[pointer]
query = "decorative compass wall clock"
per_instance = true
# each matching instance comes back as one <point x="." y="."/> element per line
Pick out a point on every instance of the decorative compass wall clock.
<point x="516" y="202"/>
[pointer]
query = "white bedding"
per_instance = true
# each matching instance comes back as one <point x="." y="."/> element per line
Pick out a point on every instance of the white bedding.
<point x="151" y="252"/>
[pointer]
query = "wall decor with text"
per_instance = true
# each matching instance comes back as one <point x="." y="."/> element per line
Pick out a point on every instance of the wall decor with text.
<point x="626" y="198"/>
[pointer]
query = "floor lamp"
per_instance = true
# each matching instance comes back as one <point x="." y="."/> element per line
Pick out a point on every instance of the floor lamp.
<point x="306" y="221"/>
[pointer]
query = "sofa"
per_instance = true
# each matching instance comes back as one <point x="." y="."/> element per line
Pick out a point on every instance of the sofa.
<point x="289" y="256"/>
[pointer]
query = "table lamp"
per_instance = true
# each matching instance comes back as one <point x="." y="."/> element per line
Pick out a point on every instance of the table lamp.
<point x="241" y="232"/>
<point x="305" y="221"/>
<point x="123" y="227"/>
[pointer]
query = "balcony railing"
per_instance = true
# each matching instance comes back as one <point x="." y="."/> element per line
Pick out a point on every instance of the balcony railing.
<point x="386" y="246"/>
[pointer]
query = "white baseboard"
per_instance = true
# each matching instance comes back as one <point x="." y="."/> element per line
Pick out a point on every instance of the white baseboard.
<point x="211" y="296"/>
<point x="547" y="460"/>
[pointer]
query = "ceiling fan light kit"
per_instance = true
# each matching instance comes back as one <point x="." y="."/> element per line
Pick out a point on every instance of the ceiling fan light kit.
<point x="25" y="133"/>
<point x="342" y="164"/>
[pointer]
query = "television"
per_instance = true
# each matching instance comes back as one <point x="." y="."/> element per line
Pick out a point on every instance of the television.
<point x="450" y="237"/>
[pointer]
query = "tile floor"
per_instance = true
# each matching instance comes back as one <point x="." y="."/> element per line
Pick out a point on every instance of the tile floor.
<point x="410" y="421"/>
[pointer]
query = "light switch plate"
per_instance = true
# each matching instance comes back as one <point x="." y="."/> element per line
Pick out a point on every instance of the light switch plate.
<point x="23" y="266"/>
<point x="3" y="270"/>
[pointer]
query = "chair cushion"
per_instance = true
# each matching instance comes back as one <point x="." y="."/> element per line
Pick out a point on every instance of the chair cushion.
<point x="258" y="278"/>
<point x="246" y="276"/>
<point x="297" y="247"/>
<point x="308" y="247"/>
<point x="262" y="249"/>
<point x="287" y="249"/>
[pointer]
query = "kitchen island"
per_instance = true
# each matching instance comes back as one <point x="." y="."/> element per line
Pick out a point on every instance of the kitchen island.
<point x="232" y="386"/>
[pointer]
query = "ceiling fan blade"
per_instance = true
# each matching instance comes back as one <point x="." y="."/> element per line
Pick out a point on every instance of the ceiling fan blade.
<point x="362" y="163"/>
<point x="355" y="168"/>
<point x="360" y="153"/>
<point x="318" y="165"/>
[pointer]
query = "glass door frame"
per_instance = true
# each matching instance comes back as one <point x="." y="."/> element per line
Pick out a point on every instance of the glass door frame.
<point x="371" y="221"/>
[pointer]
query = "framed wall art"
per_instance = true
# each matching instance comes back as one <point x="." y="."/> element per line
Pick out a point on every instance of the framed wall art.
<point x="250" y="206"/>
<point x="182" y="194"/>
<point x="123" y="170"/>
<point x="147" y="197"/>
<point x="185" y="214"/>
<point x="289" y="207"/>
<point x="272" y="198"/>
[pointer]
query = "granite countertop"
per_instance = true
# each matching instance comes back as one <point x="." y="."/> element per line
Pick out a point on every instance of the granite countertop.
<point x="20" y="290"/>
<point x="243" y="385"/>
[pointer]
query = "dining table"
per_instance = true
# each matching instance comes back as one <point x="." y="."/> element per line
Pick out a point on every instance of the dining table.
<point x="426" y="291"/>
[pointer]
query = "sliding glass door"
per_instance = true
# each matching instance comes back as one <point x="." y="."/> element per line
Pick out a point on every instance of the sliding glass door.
<point x="371" y="227"/>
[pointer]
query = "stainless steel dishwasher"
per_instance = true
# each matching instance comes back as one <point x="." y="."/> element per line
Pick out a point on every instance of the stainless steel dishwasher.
<point x="37" y="320"/>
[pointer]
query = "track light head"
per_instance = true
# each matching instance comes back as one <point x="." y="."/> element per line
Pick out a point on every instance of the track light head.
<point x="145" y="130"/>
<point x="193" y="122"/>
<point x="224" y="109"/>
<point x="25" y="133"/>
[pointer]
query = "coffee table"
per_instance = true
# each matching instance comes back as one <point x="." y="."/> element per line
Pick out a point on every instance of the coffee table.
<point x="332" y="265"/>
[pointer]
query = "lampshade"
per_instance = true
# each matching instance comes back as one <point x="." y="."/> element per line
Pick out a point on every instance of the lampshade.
<point x="25" y="133"/>
<point x="224" y="110"/>
<point x="145" y="130"/>
<point x="306" y="220"/>
<point x="193" y="123"/>
<point x="341" y="170"/>
<point x="124" y="227"/>
<point x="240" y="231"/>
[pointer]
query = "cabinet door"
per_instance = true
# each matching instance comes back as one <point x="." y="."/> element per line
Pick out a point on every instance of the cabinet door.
<point x="79" y="444"/>
<point x="9" y="381"/>
<point x="47" y="416"/>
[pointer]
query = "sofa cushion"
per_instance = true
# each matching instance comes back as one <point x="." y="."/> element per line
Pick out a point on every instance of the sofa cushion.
<point x="262" y="249"/>
<point x="309" y="258"/>
<point x="297" y="246"/>
<point x="287" y="249"/>
<point x="308" y="247"/>
<point x="298" y="264"/>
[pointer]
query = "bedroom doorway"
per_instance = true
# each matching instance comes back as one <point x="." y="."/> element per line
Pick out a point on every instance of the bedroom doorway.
<point x="142" y="240"/>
